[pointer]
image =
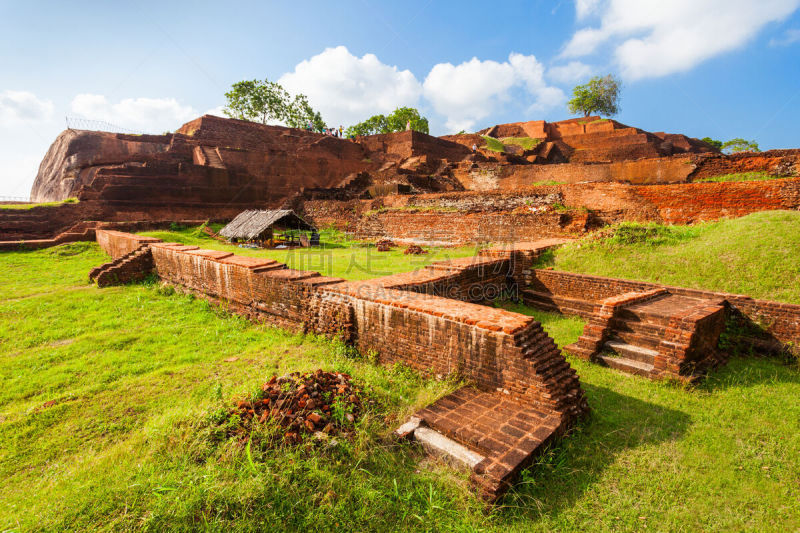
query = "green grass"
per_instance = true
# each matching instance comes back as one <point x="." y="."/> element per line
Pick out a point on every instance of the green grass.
<point x="40" y="204"/>
<point x="498" y="145"/>
<point x="547" y="182"/>
<point x="739" y="176"/>
<point x="526" y="143"/>
<point x="339" y="257"/>
<point x="755" y="255"/>
<point x="493" y="144"/>
<point x="136" y="373"/>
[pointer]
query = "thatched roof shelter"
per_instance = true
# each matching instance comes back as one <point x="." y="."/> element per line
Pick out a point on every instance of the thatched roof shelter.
<point x="253" y="224"/>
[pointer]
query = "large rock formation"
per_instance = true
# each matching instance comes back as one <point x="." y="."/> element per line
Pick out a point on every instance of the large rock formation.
<point x="208" y="162"/>
<point x="212" y="168"/>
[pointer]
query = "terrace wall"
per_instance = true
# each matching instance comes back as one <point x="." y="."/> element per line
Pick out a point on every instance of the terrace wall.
<point x="423" y="330"/>
<point x="576" y="294"/>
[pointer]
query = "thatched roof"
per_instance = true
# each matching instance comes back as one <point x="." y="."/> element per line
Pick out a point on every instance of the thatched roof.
<point x="252" y="223"/>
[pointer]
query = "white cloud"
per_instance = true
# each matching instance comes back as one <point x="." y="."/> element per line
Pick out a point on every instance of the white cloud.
<point x="347" y="89"/>
<point x="149" y="115"/>
<point x="569" y="73"/>
<point x="475" y="89"/>
<point x="791" y="36"/>
<point x="584" y="8"/>
<point x="23" y="106"/>
<point x="654" y="38"/>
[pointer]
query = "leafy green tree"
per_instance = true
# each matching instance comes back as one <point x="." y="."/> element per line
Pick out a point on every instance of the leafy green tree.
<point x="713" y="142"/>
<point x="262" y="101"/>
<point x="403" y="116"/>
<point x="259" y="101"/>
<point x="600" y="95"/>
<point x="299" y="113"/>
<point x="739" y="145"/>
<point x="373" y="125"/>
<point x="396" y="121"/>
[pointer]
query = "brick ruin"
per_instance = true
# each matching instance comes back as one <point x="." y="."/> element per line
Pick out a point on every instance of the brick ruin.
<point x="212" y="168"/>
<point x="521" y="391"/>
<point x="576" y="176"/>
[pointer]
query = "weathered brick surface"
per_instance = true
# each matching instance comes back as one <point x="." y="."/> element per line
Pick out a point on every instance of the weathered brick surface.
<point x="118" y="243"/>
<point x="779" y="321"/>
<point x="134" y="265"/>
<point x="597" y="330"/>
<point x="527" y="389"/>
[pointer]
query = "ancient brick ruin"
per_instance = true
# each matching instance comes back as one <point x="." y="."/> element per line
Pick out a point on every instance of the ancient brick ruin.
<point x="579" y="174"/>
<point x="523" y="391"/>
<point x="574" y="176"/>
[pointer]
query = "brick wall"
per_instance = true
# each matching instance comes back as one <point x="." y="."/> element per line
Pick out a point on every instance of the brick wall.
<point x="117" y="243"/>
<point x="780" y="321"/>
<point x="452" y="227"/>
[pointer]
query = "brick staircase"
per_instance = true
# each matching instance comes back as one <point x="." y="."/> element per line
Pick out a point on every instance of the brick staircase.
<point x="212" y="157"/>
<point x="654" y="334"/>
<point x="133" y="266"/>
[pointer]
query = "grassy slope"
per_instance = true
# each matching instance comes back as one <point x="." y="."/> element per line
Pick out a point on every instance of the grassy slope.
<point x="525" y="142"/>
<point x="133" y="370"/>
<point x="755" y="255"/>
<point x="338" y="258"/>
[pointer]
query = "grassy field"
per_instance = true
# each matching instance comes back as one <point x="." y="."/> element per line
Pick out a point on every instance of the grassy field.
<point x="107" y="396"/>
<point x="337" y="257"/>
<point x="755" y="255"/>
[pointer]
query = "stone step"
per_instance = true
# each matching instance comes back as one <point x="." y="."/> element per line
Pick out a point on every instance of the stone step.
<point x="627" y="365"/>
<point x="630" y="351"/>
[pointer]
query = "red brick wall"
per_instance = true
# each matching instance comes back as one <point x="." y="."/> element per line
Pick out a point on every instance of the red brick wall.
<point x="116" y="243"/>
<point x="780" y="320"/>
<point x="775" y="162"/>
<point x="493" y="347"/>
<point x="696" y="202"/>
<point x="453" y="227"/>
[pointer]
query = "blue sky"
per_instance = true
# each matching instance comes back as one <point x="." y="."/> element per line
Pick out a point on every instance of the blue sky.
<point x="723" y="68"/>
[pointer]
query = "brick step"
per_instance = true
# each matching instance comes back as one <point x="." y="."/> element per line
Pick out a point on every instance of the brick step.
<point x="652" y="329"/>
<point x="630" y="351"/>
<point x="548" y="302"/>
<point x="643" y="316"/>
<point x="626" y="365"/>
<point x="637" y="339"/>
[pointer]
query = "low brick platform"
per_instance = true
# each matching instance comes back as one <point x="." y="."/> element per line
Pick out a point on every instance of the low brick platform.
<point x="504" y="431"/>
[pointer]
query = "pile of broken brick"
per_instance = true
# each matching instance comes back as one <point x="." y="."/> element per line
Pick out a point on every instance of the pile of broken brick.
<point x="415" y="250"/>
<point x="384" y="245"/>
<point x="318" y="403"/>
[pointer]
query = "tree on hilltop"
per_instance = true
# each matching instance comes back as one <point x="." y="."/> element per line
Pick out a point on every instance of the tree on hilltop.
<point x="739" y="145"/>
<point x="713" y="142"/>
<point x="396" y="121"/>
<point x="600" y="95"/>
<point x="263" y="101"/>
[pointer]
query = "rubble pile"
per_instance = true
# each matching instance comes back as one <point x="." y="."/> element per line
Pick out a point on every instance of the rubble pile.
<point x="384" y="245"/>
<point x="415" y="250"/>
<point x="319" y="403"/>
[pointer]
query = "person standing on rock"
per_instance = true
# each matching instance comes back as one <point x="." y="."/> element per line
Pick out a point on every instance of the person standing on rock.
<point x="474" y="148"/>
